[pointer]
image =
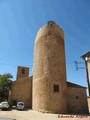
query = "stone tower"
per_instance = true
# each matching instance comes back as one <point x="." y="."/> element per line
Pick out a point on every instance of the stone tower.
<point x="22" y="72"/>
<point x="49" y="70"/>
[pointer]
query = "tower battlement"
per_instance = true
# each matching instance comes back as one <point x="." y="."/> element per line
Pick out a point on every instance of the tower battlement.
<point x="51" y="28"/>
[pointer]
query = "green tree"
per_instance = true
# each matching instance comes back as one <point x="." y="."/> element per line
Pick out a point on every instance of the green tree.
<point x="5" y="86"/>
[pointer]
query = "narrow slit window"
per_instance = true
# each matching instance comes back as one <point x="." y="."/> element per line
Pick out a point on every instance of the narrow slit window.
<point x="77" y="97"/>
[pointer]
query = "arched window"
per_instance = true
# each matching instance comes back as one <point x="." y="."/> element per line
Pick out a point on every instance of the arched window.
<point x="23" y="71"/>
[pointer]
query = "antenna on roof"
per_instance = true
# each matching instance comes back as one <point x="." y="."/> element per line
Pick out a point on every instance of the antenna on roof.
<point x="77" y="65"/>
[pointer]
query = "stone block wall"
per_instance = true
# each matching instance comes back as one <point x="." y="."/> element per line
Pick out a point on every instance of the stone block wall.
<point x="77" y="100"/>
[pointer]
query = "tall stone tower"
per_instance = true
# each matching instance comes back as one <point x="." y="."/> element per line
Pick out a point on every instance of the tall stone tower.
<point x="49" y="70"/>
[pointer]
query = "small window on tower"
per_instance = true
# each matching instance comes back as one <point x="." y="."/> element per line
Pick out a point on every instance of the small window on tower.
<point x="77" y="97"/>
<point x="56" y="88"/>
<point x="23" y="71"/>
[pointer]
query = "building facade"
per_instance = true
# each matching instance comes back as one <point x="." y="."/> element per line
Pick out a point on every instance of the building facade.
<point x="86" y="58"/>
<point x="21" y="88"/>
<point x="76" y="99"/>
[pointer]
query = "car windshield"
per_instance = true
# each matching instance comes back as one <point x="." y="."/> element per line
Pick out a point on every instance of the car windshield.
<point x="4" y="103"/>
<point x="20" y="103"/>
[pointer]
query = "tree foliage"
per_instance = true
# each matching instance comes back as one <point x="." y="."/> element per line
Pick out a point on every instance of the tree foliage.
<point x="5" y="85"/>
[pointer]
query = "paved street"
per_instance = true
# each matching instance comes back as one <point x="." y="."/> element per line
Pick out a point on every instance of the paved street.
<point x="1" y="118"/>
<point x="34" y="115"/>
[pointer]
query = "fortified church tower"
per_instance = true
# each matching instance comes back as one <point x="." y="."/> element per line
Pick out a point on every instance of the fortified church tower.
<point x="49" y="70"/>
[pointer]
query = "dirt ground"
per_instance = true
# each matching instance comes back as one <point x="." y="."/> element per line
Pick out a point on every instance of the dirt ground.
<point x="34" y="115"/>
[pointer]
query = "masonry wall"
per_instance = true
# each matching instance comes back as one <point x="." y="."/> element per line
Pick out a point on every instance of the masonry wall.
<point x="77" y="100"/>
<point x="22" y="91"/>
<point x="88" y="104"/>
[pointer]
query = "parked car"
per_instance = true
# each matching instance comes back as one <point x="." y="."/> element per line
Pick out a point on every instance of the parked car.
<point x="4" y="105"/>
<point x="20" y="106"/>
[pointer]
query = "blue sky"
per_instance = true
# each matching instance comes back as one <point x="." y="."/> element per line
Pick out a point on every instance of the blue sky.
<point x="21" y="19"/>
